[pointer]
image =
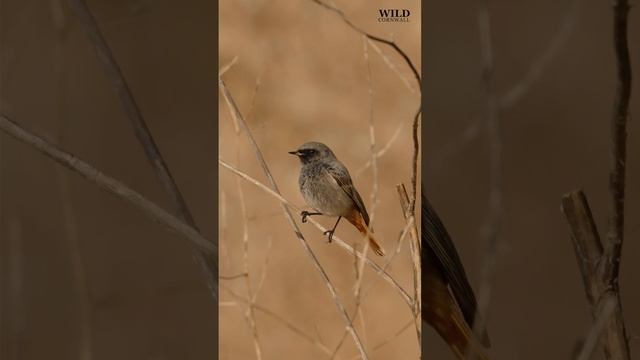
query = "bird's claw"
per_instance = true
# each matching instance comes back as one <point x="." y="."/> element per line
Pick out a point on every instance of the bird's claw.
<point x="330" y="233"/>
<point x="304" y="216"/>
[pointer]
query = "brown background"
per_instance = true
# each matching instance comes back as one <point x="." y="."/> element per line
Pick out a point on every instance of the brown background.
<point x="148" y="300"/>
<point x="554" y="140"/>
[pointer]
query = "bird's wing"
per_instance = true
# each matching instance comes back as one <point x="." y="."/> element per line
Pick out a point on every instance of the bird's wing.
<point x="439" y="242"/>
<point x="343" y="179"/>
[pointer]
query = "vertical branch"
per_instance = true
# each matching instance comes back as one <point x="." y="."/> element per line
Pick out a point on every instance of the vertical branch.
<point x="594" y="265"/>
<point x="249" y="313"/>
<point x="78" y="273"/>
<point x="495" y="169"/>
<point x="414" y="247"/>
<point x="618" y="150"/>
<point x="600" y="263"/>
<point x="235" y="113"/>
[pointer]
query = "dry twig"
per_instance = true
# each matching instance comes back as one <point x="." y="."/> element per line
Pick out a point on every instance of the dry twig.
<point x="235" y="113"/>
<point x="337" y="240"/>
<point x="495" y="168"/>
<point x="414" y="70"/>
<point x="208" y="262"/>
<point x="281" y="320"/>
<point x="109" y="184"/>
<point x="600" y="263"/>
<point x="414" y="247"/>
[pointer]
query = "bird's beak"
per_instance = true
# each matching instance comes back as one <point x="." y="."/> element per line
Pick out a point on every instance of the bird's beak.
<point x="296" y="153"/>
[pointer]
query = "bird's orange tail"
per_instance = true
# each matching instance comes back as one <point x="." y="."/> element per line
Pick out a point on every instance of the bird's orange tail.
<point x="357" y="221"/>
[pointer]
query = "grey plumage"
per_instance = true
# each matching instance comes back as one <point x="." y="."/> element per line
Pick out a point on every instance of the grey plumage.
<point x="326" y="185"/>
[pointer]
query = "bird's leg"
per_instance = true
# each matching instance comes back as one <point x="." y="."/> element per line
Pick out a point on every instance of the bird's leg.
<point x="306" y="213"/>
<point x="330" y="232"/>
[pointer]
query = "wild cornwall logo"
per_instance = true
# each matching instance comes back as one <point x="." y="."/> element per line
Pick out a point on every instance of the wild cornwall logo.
<point x="394" y="15"/>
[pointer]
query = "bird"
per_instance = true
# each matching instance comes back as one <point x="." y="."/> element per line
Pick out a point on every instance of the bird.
<point x="326" y="186"/>
<point x="448" y="302"/>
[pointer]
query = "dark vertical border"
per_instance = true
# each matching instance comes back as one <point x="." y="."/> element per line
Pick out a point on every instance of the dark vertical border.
<point x="423" y="157"/>
<point x="215" y="67"/>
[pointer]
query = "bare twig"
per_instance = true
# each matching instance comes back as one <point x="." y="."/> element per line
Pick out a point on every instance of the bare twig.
<point x="263" y="273"/>
<point x="390" y="338"/>
<point x="208" y="263"/>
<point x="109" y="184"/>
<point x="235" y="113"/>
<point x="392" y="66"/>
<point x="233" y="277"/>
<point x="593" y="263"/>
<point x="383" y="150"/>
<point x="520" y="88"/>
<point x="389" y="43"/>
<point x="495" y="210"/>
<point x="618" y="149"/>
<point x="281" y="320"/>
<point x="405" y="296"/>
<point x="249" y="313"/>
<point x="608" y="306"/>
<point x="414" y="70"/>
<point x="403" y="235"/>
<point x="537" y="67"/>
<point x="414" y="247"/>
<point x="79" y="274"/>
<point x="228" y="66"/>
<point x="600" y="263"/>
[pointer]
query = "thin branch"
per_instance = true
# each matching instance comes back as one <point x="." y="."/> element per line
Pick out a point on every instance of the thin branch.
<point x="383" y="150"/>
<point x="416" y="119"/>
<point x="390" y="338"/>
<point x="228" y="66"/>
<point x="405" y="296"/>
<point x="235" y="113"/>
<point x="208" y="263"/>
<point x="600" y="263"/>
<point x="392" y="66"/>
<point x="249" y="313"/>
<point x="281" y="320"/>
<point x="604" y="314"/>
<point x="537" y="67"/>
<point x="618" y="149"/>
<point x="389" y="43"/>
<point x="233" y="277"/>
<point x="263" y="273"/>
<point x="520" y="88"/>
<point x="593" y="264"/>
<point x="496" y="211"/>
<point x="109" y="184"/>
<point x="414" y="247"/>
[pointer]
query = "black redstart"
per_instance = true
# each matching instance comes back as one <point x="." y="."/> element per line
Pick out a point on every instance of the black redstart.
<point x="326" y="186"/>
<point x="448" y="302"/>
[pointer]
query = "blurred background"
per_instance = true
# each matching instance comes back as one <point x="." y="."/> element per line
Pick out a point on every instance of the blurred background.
<point x="82" y="272"/>
<point x="313" y="86"/>
<point x="555" y="138"/>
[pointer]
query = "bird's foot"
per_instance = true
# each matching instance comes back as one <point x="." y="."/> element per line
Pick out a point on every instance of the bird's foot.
<point x="330" y="234"/>
<point x="306" y="214"/>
